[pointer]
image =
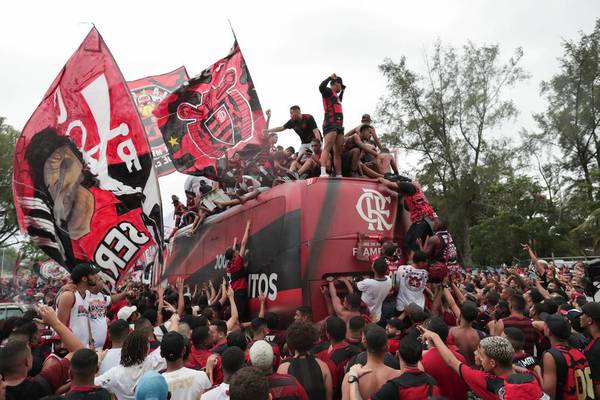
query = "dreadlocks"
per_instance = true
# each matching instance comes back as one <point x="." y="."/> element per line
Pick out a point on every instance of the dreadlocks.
<point x="135" y="349"/>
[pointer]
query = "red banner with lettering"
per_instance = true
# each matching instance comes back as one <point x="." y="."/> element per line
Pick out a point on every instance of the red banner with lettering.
<point x="84" y="185"/>
<point x="147" y="94"/>
<point x="216" y="114"/>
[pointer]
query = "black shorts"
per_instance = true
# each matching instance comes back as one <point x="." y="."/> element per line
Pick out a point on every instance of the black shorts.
<point x="241" y="301"/>
<point x="419" y="230"/>
<point x="338" y="129"/>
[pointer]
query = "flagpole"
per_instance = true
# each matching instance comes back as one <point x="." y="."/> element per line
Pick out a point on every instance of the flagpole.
<point x="232" y="31"/>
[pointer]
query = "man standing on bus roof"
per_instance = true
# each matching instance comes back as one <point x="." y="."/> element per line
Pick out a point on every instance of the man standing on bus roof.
<point x="238" y="275"/>
<point x="333" y="123"/>
<point x="305" y="127"/>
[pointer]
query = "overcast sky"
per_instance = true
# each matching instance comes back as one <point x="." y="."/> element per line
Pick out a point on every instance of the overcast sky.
<point x="290" y="47"/>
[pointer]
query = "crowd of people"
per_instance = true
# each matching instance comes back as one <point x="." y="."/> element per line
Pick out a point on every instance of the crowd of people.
<point x="417" y="328"/>
<point x="29" y="289"/>
<point x="333" y="152"/>
<point x="521" y="333"/>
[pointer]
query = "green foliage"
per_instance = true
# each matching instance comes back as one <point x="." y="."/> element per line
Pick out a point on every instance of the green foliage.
<point x="569" y="128"/>
<point x="8" y="218"/>
<point x="448" y="116"/>
<point x="590" y="227"/>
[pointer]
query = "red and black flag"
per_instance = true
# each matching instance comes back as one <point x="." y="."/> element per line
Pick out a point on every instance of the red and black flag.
<point x="147" y="94"/>
<point x="84" y="184"/>
<point x="216" y="113"/>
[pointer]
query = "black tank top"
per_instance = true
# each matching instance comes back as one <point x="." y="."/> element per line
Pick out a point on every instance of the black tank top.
<point x="308" y="373"/>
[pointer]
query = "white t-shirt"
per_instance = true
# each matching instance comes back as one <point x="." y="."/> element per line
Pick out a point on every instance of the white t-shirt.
<point x="374" y="293"/>
<point x="111" y="359"/>
<point x="121" y="381"/>
<point x="158" y="333"/>
<point x="97" y="305"/>
<point x="78" y="319"/>
<point x="411" y="283"/>
<point x="186" y="383"/>
<point x="155" y="361"/>
<point x="218" y="393"/>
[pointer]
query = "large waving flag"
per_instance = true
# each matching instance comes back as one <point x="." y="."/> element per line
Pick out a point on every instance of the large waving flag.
<point x="148" y="93"/>
<point x="84" y="183"/>
<point x="216" y="113"/>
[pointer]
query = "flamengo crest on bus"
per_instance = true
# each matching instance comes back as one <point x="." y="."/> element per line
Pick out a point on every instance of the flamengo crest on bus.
<point x="372" y="208"/>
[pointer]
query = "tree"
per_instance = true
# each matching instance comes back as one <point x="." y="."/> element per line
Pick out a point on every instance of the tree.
<point x="447" y="116"/>
<point x="573" y="113"/>
<point x="8" y="218"/>
<point x="590" y="227"/>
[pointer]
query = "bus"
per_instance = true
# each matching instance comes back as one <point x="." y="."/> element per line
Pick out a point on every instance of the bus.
<point x="301" y="233"/>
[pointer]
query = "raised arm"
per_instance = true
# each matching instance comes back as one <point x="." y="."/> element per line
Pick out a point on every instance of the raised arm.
<point x="120" y="296"/>
<point x="447" y="355"/>
<point x="325" y="91"/>
<point x="336" y="302"/>
<point x="180" y="299"/>
<point x="223" y="292"/>
<point x="160" y="291"/>
<point x="534" y="260"/>
<point x="233" y="320"/>
<point x="268" y="121"/>
<point x="262" y="297"/>
<point x="436" y="306"/>
<point x="429" y="244"/>
<point x="49" y="317"/>
<point x="542" y="289"/>
<point x="458" y="293"/>
<point x="327" y="299"/>
<point x="277" y="129"/>
<point x="347" y="280"/>
<point x="245" y="239"/>
<point x="451" y="302"/>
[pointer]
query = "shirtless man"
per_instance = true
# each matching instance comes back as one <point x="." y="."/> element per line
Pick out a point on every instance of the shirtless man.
<point x="377" y="347"/>
<point x="354" y="146"/>
<point x="464" y="336"/>
<point x="309" y="162"/>
<point x="366" y="119"/>
<point x="381" y="165"/>
<point x="346" y="309"/>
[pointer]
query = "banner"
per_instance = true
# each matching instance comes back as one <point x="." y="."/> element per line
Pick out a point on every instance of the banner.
<point x="215" y="114"/>
<point x="51" y="270"/>
<point x="147" y="94"/>
<point x="84" y="183"/>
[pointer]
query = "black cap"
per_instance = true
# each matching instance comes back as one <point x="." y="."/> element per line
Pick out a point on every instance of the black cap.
<point x="396" y="323"/>
<point x="172" y="346"/>
<point x="557" y="325"/>
<point x="592" y="310"/>
<point x="82" y="270"/>
<point x="366" y="118"/>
